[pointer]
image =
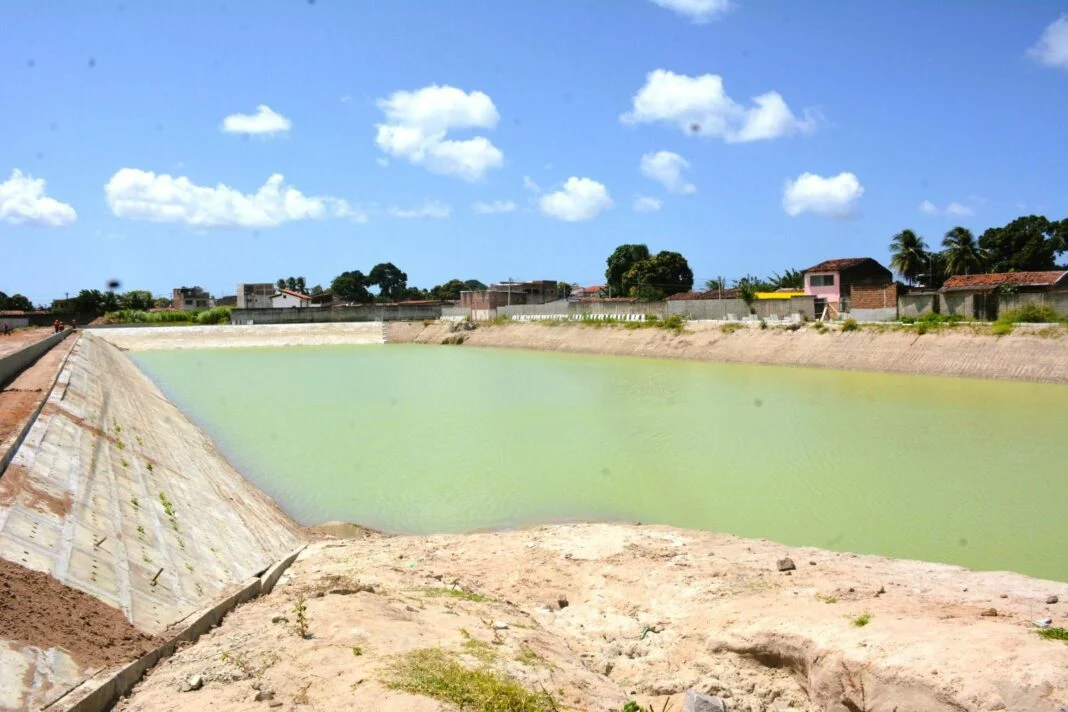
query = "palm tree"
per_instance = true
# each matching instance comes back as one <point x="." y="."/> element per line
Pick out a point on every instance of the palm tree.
<point x="963" y="255"/>
<point x="908" y="255"/>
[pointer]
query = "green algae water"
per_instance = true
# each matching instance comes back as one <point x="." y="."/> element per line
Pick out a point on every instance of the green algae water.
<point x="421" y="439"/>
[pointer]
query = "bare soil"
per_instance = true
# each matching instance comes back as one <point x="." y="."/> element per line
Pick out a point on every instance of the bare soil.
<point x="598" y="614"/>
<point x="20" y="338"/>
<point x="38" y="610"/>
<point x="21" y="397"/>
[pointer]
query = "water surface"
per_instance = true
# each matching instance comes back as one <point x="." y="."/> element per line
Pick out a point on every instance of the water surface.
<point x="424" y="439"/>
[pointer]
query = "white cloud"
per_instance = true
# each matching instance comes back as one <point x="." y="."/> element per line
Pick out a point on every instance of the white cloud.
<point x="579" y="199"/>
<point x="497" y="206"/>
<point x="429" y="209"/>
<point x="699" y="105"/>
<point x="959" y="210"/>
<point x="1052" y="47"/>
<point x="23" y="202"/>
<point x="953" y="209"/>
<point x="834" y="197"/>
<point x="529" y="184"/>
<point x="143" y="195"/>
<point x="646" y="204"/>
<point x="419" y="121"/>
<point x="265" y="122"/>
<point x="698" y="11"/>
<point x="666" y="167"/>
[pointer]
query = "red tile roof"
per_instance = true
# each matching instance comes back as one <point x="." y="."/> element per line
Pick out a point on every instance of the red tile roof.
<point x="714" y="294"/>
<point x="840" y="265"/>
<point x="291" y="293"/>
<point x="1000" y="279"/>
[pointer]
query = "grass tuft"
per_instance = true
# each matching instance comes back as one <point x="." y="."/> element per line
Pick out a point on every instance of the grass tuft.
<point x="436" y="674"/>
<point x="862" y="620"/>
<point x="456" y="593"/>
<point x="1054" y="634"/>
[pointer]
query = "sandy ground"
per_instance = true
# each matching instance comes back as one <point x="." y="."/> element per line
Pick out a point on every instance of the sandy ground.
<point x="597" y="614"/>
<point x="253" y="336"/>
<point x="1029" y="354"/>
<point x="21" y="338"/>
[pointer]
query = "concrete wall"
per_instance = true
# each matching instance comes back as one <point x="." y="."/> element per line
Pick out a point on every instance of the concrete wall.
<point x="1057" y="300"/>
<point x="564" y="307"/>
<point x="371" y="312"/>
<point x="724" y="308"/>
<point x="13" y="364"/>
<point x="14" y="322"/>
<point x="883" y="314"/>
<point x="917" y="304"/>
<point x="956" y="304"/>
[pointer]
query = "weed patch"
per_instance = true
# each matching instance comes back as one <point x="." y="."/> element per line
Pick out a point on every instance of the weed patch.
<point x="862" y="620"/>
<point x="850" y="325"/>
<point x="1054" y="634"/>
<point x="436" y="674"/>
<point x="731" y="327"/>
<point x="456" y="593"/>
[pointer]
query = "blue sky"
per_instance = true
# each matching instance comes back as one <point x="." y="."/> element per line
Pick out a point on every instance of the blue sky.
<point x="823" y="129"/>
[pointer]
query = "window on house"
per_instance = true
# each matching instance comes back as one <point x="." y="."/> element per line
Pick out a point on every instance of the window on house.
<point x="821" y="280"/>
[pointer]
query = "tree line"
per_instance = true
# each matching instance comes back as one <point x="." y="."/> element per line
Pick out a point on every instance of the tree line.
<point x="1027" y="244"/>
<point x="391" y="284"/>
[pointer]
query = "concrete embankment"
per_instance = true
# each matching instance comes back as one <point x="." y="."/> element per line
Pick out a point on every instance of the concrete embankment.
<point x="1026" y="355"/>
<point x="252" y="336"/>
<point x="116" y="494"/>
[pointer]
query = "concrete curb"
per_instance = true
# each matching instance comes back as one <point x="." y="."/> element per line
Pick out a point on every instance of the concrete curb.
<point x="6" y="457"/>
<point x="15" y="363"/>
<point x="102" y="690"/>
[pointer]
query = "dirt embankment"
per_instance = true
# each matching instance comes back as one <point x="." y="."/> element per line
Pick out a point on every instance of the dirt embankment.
<point x="598" y="614"/>
<point x="1026" y="355"/>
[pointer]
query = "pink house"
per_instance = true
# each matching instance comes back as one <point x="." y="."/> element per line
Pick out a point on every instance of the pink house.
<point x="832" y="281"/>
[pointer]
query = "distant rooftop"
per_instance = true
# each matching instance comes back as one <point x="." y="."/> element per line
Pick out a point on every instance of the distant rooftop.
<point x="1004" y="279"/>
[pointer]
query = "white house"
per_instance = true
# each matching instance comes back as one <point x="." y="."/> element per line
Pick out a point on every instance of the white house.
<point x="284" y="298"/>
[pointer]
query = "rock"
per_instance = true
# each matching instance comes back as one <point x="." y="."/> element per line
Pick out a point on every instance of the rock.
<point x="1051" y="600"/>
<point x="195" y="682"/>
<point x="695" y="701"/>
<point x="990" y="613"/>
<point x="279" y="619"/>
<point x="1004" y="595"/>
<point x="786" y="564"/>
<point x="500" y="625"/>
<point x="276" y="703"/>
<point x="562" y="602"/>
<point x="264" y="696"/>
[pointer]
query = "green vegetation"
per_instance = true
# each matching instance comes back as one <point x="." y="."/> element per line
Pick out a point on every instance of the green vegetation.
<point x="480" y="650"/>
<point x="850" y="325"/>
<point x="218" y="315"/>
<point x="932" y="319"/>
<point x="1054" y="634"/>
<point x="826" y="598"/>
<point x="436" y="674"/>
<point x="456" y="593"/>
<point x="300" y="610"/>
<point x="862" y="620"/>
<point x="731" y="327"/>
<point x="500" y="320"/>
<point x="1031" y="314"/>
<point x="1001" y="328"/>
<point x="137" y="316"/>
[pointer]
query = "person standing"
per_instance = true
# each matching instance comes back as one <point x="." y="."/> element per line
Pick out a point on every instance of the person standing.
<point x="7" y="329"/>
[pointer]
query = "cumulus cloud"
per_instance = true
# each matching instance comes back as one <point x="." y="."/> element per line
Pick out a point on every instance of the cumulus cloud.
<point x="834" y="197"/>
<point x="143" y="195"/>
<point x="265" y="122"/>
<point x="23" y="202"/>
<point x="497" y="206"/>
<point x="430" y="209"/>
<point x="646" y="204"/>
<point x="699" y="105"/>
<point x="1051" y="49"/>
<point x="698" y="11"/>
<point x="579" y="199"/>
<point x="666" y="167"/>
<point x="418" y="122"/>
<point x="953" y="209"/>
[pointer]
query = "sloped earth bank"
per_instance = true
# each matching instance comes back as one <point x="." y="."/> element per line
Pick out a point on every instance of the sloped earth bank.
<point x="596" y="614"/>
<point x="1028" y="354"/>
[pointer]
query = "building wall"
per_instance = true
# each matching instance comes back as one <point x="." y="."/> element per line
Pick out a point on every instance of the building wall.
<point x="831" y="293"/>
<point x="193" y="298"/>
<point x="738" y="309"/>
<point x="15" y="322"/>
<point x="873" y="297"/>
<point x="255" y="296"/>
<point x="957" y="304"/>
<point x="376" y="312"/>
<point x="1056" y="299"/>
<point x="918" y="304"/>
<point x="286" y="301"/>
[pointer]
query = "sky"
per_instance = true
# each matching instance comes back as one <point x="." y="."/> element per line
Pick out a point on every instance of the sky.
<point x="167" y="144"/>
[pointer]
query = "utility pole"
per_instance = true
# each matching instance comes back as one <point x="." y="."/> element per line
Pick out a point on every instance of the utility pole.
<point x="509" y="291"/>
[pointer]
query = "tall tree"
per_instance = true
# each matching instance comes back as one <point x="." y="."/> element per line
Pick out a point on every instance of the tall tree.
<point x="317" y="289"/>
<point x="659" y="276"/>
<point x="139" y="299"/>
<point x="563" y="290"/>
<point x="351" y="287"/>
<point x="89" y="301"/>
<point x="300" y="285"/>
<point x="281" y="283"/>
<point x="908" y="255"/>
<point x="450" y="291"/>
<point x="392" y="283"/>
<point x="715" y="285"/>
<point x="291" y="283"/>
<point x="473" y="285"/>
<point x="17" y="302"/>
<point x="963" y="255"/>
<point x="1027" y="244"/>
<point x="620" y="262"/>
<point x="790" y="279"/>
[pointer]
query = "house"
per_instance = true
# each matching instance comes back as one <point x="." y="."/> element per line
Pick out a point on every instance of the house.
<point x="227" y="301"/>
<point x="539" y="291"/>
<point x="591" y="292"/>
<point x="255" y="296"/>
<point x="982" y="296"/>
<point x="286" y="298"/>
<point x="837" y="283"/>
<point x="187" y="298"/>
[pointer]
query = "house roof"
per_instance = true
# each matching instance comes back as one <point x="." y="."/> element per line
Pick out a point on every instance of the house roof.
<point x="714" y="294"/>
<point x="291" y="293"/>
<point x="1001" y="279"/>
<point x="841" y="264"/>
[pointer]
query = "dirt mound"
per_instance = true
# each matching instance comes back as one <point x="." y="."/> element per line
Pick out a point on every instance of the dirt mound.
<point x="38" y="610"/>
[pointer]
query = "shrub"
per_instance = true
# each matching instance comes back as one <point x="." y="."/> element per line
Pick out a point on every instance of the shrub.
<point x="850" y="325"/>
<point x="922" y="328"/>
<point x="1001" y="328"/>
<point x="218" y="315"/>
<point x="731" y="327"/>
<point x="763" y="324"/>
<point x="1030" y="314"/>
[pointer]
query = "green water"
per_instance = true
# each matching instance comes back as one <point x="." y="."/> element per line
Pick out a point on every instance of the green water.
<point x="438" y="439"/>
